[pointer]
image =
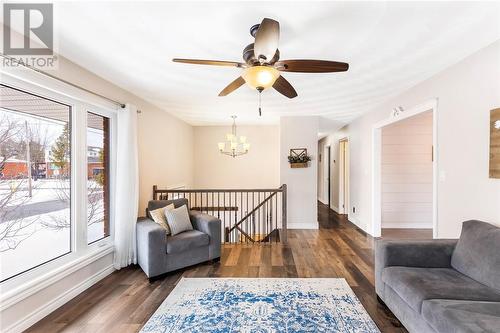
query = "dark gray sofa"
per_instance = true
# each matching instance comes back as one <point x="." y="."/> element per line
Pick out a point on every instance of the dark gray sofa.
<point x="449" y="286"/>
<point x="158" y="253"/>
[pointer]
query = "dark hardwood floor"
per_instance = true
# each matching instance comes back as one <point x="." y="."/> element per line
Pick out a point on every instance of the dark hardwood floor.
<point x="123" y="301"/>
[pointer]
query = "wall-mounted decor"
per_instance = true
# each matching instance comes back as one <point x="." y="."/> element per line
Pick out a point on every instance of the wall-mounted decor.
<point x="298" y="158"/>
<point x="495" y="143"/>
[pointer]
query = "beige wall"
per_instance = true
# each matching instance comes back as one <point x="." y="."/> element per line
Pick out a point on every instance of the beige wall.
<point x="406" y="173"/>
<point x="300" y="132"/>
<point x="466" y="91"/>
<point x="257" y="169"/>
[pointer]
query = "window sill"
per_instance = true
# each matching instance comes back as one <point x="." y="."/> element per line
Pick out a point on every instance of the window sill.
<point x="13" y="296"/>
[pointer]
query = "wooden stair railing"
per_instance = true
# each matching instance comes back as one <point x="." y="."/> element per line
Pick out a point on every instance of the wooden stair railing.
<point x="247" y="215"/>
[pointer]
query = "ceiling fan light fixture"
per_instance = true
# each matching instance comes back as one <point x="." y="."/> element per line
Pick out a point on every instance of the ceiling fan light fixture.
<point x="262" y="77"/>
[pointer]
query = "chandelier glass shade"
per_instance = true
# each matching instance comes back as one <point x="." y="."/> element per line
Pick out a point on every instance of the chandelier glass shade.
<point x="234" y="145"/>
<point x="260" y="77"/>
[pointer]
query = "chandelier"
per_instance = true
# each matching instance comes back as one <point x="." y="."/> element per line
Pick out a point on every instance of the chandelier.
<point x="236" y="147"/>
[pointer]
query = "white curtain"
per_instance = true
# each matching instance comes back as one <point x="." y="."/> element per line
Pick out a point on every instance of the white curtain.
<point x="127" y="187"/>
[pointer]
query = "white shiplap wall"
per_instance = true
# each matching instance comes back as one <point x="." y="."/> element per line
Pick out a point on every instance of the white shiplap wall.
<point x="407" y="173"/>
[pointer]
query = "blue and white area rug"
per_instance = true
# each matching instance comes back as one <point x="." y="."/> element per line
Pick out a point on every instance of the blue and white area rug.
<point x="247" y="305"/>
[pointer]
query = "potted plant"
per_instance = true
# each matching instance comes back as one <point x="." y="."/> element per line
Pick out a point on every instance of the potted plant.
<point x="298" y="158"/>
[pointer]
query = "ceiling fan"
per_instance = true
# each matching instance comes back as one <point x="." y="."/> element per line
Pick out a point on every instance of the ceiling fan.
<point x="263" y="67"/>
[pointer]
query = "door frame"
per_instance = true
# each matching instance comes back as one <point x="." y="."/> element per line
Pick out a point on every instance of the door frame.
<point x="329" y="174"/>
<point x="431" y="105"/>
<point x="343" y="161"/>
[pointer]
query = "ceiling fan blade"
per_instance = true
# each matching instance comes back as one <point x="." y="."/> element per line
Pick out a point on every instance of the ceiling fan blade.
<point x="210" y="62"/>
<point x="311" y="66"/>
<point x="266" y="40"/>
<point x="284" y="87"/>
<point x="232" y="86"/>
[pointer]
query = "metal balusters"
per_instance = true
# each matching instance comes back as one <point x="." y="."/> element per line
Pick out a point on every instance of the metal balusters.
<point x="247" y="215"/>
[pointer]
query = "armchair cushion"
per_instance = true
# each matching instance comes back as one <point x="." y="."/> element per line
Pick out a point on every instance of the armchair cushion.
<point x="414" y="285"/>
<point x="178" y="220"/>
<point x="186" y="240"/>
<point x="159" y="217"/>
<point x="477" y="254"/>
<point x="155" y="204"/>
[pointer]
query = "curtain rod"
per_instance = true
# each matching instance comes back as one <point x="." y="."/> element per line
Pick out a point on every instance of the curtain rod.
<point x="120" y="104"/>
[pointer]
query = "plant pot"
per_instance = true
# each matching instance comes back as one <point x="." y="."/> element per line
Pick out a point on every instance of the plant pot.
<point x="298" y="165"/>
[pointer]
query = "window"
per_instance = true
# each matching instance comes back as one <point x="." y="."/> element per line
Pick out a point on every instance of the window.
<point x="35" y="181"/>
<point x="56" y="162"/>
<point x="97" y="177"/>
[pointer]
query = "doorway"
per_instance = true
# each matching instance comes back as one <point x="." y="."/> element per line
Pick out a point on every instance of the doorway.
<point x="405" y="164"/>
<point x="344" y="176"/>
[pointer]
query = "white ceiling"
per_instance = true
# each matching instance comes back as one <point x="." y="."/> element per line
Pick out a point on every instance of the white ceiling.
<point x="390" y="47"/>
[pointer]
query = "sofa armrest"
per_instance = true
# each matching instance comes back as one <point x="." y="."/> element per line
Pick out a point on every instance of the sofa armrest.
<point x="211" y="226"/>
<point x="434" y="253"/>
<point x="151" y="246"/>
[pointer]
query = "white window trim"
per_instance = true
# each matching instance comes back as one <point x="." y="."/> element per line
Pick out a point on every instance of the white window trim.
<point x="27" y="289"/>
<point x="82" y="254"/>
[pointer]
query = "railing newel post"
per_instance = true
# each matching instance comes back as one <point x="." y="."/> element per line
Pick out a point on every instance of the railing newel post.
<point x="284" y="221"/>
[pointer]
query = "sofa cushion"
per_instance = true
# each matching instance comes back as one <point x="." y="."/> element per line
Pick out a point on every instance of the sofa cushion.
<point x="452" y="316"/>
<point x="477" y="253"/>
<point x="414" y="285"/>
<point x="186" y="240"/>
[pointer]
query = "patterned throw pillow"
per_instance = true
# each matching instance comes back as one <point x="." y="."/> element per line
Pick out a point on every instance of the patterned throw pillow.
<point x="159" y="216"/>
<point x="178" y="220"/>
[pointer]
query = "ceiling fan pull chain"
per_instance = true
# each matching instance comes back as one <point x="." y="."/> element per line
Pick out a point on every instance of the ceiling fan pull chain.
<point x="260" y="102"/>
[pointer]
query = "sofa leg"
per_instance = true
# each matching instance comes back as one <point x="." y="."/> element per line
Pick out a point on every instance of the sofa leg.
<point x="216" y="260"/>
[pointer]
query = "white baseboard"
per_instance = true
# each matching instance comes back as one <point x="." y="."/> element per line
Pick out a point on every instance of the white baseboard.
<point x="359" y="224"/>
<point x="302" y="225"/>
<point x="40" y="313"/>
<point x="322" y="201"/>
<point x="335" y="209"/>
<point x="354" y="220"/>
<point x="406" y="225"/>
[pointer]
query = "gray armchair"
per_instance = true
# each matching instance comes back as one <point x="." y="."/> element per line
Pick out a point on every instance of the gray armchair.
<point x="158" y="253"/>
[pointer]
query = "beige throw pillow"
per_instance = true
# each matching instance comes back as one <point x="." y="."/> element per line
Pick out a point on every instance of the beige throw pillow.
<point x="178" y="220"/>
<point x="159" y="216"/>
